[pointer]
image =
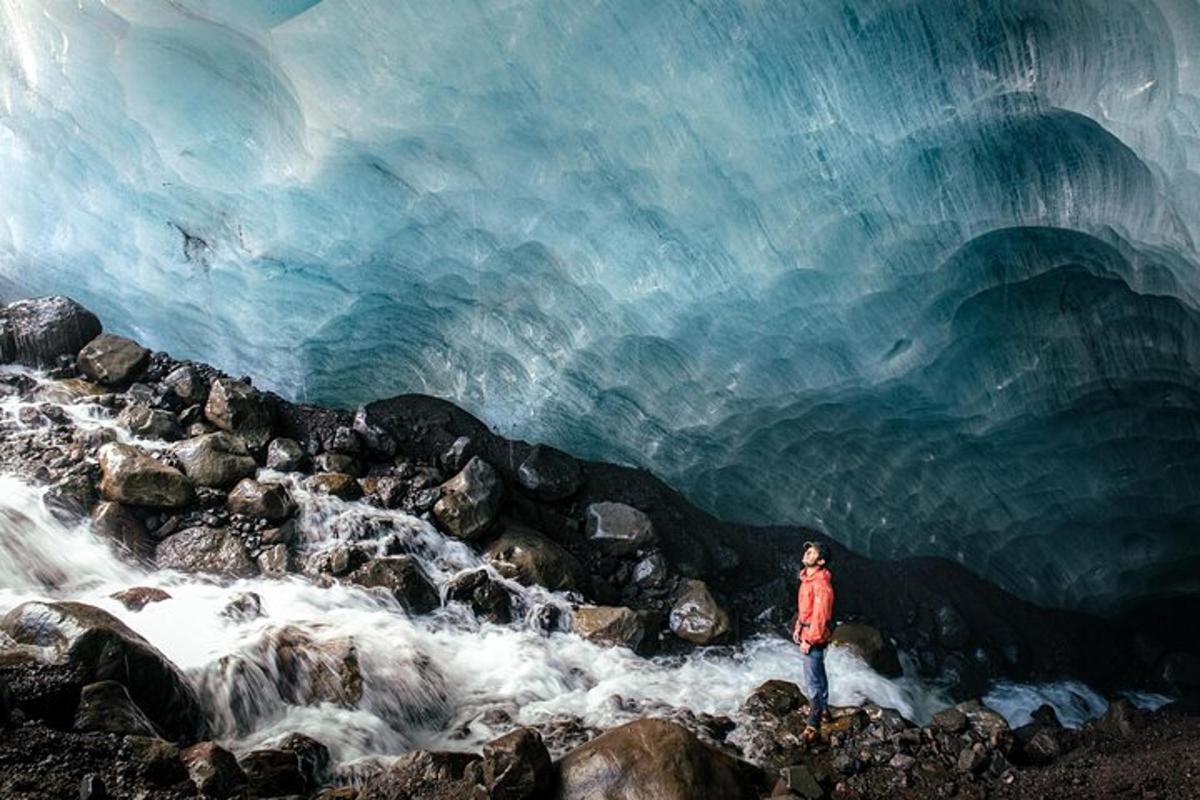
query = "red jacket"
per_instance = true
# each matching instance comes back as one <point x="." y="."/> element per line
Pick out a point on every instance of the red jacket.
<point x="815" y="600"/>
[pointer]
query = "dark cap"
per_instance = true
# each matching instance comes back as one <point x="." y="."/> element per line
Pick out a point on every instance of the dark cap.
<point x="821" y="547"/>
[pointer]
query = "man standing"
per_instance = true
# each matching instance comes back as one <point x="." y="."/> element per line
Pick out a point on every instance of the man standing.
<point x="815" y="600"/>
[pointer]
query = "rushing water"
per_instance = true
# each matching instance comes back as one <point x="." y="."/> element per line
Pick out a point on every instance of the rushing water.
<point x="440" y="680"/>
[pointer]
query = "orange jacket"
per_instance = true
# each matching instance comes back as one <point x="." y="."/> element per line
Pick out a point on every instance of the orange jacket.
<point x="815" y="600"/>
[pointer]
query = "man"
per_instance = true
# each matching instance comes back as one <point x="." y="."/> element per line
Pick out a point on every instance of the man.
<point x="815" y="601"/>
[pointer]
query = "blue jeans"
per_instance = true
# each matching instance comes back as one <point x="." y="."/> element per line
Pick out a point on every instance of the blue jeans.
<point x="816" y="683"/>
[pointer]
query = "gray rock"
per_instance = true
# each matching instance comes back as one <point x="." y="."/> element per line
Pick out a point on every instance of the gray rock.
<point x="696" y="616"/>
<point x="336" y="462"/>
<point x="611" y="625"/>
<point x="549" y="474"/>
<point x="106" y="707"/>
<point x="517" y="766"/>
<point x="618" y="529"/>
<point x="70" y="498"/>
<point x="775" y="698"/>
<point x="150" y="423"/>
<point x="214" y="770"/>
<point x="273" y="773"/>
<point x="37" y="332"/>
<point x="238" y="408"/>
<point x="989" y="724"/>
<point x="270" y="501"/>
<point x="528" y="557"/>
<point x="950" y="720"/>
<point x="117" y="523"/>
<point x="313" y="756"/>
<point x="403" y="577"/>
<point x="275" y="560"/>
<point x="456" y="454"/>
<point x="285" y="455"/>
<point x="800" y="780"/>
<point x="203" y="549"/>
<point x="376" y="438"/>
<point x="112" y="360"/>
<point x="487" y="599"/>
<point x="972" y="760"/>
<point x="186" y="384"/>
<point x="652" y="572"/>
<point x="215" y="459"/>
<point x="470" y="500"/>
<point x="129" y="475"/>
<point x="336" y="484"/>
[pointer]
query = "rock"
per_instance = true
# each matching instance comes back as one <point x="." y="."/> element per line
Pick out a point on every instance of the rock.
<point x="150" y="423"/>
<point x="36" y="332"/>
<point x="285" y="455"/>
<point x="284" y="534"/>
<point x="95" y="646"/>
<point x="801" y="782"/>
<point x="243" y="606"/>
<point x="91" y="787"/>
<point x="902" y="762"/>
<point x="376" y="439"/>
<point x="184" y="383"/>
<point x="1037" y="744"/>
<point x="129" y="475"/>
<point x="339" y="559"/>
<point x="336" y="462"/>
<point x="215" y="459"/>
<point x="613" y="625"/>
<point x="868" y="643"/>
<point x="517" y="766"/>
<point x="275" y="560"/>
<point x="469" y="501"/>
<point x="776" y="698"/>
<point x="651" y="573"/>
<point x="112" y="360"/>
<point x="204" y="549"/>
<point x="313" y="757"/>
<point x="314" y="670"/>
<point x="423" y="775"/>
<point x="236" y="407"/>
<point x="489" y="600"/>
<point x="950" y="720"/>
<point x="618" y="529"/>
<point x="696" y="617"/>
<point x="651" y="759"/>
<point x="154" y="760"/>
<point x="337" y="484"/>
<point x="549" y="474"/>
<point x="106" y="707"/>
<point x="138" y="597"/>
<point x="403" y="577"/>
<point x="952" y="630"/>
<point x="67" y="391"/>
<point x="269" y="501"/>
<point x="989" y="724"/>
<point x="528" y="557"/>
<point x="1119" y="719"/>
<point x="1046" y="715"/>
<point x="971" y="759"/>
<point x="273" y="773"/>
<point x="343" y="440"/>
<point x="214" y="770"/>
<point x="121" y="526"/>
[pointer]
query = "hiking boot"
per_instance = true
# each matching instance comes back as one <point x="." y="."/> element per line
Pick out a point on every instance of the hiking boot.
<point x="811" y="735"/>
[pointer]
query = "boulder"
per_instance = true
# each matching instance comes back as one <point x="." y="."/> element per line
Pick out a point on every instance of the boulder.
<point x="138" y="597"/>
<point x="92" y="645"/>
<point x="612" y="625"/>
<point x="423" y="775"/>
<point x="121" y="526"/>
<point x="336" y="484"/>
<point x="618" y="529"/>
<point x="776" y="698"/>
<point x="313" y="756"/>
<point x="470" y="500"/>
<point x="517" y="766"/>
<point x="1037" y="744"/>
<point x="285" y="455"/>
<point x="236" y="407"/>
<point x="275" y="560"/>
<point x="549" y="474"/>
<point x="273" y="773"/>
<point x="129" y="475"/>
<point x="337" y="462"/>
<point x="37" y="332"/>
<point x="112" y="360"/>
<point x="150" y="423"/>
<point x="989" y="724"/>
<point x="652" y="759"/>
<point x="204" y="549"/>
<point x="315" y="670"/>
<point x="801" y="782"/>
<point x="377" y="440"/>
<point x="651" y="573"/>
<point x="403" y="577"/>
<point x="269" y="501"/>
<point x="187" y="385"/>
<point x="950" y="720"/>
<point x="696" y="616"/>
<point x="488" y="599"/>
<point x="528" y="557"/>
<point x="106" y="707"/>
<point x="214" y="770"/>
<point x="70" y="498"/>
<point x="1120" y="719"/>
<point x="215" y="459"/>
<point x="868" y="644"/>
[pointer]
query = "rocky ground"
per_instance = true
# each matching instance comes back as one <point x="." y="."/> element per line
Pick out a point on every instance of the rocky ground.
<point x="90" y="709"/>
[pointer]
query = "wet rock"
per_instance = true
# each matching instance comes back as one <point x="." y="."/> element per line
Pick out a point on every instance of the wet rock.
<point x="652" y="759"/>
<point x="273" y="773"/>
<point x="236" y="407"/>
<point x="150" y="423"/>
<point x="36" y="332"/>
<point x="868" y="643"/>
<point x="651" y="573"/>
<point x="488" y="599"/>
<point x="154" y="760"/>
<point x="343" y="440"/>
<point x="275" y="560"/>
<point x="243" y="606"/>
<point x="336" y="484"/>
<point x="469" y="501"/>
<point x="95" y="646"/>
<point x="121" y="526"/>
<point x="138" y="597"/>
<point x="424" y="775"/>
<point x="517" y="766"/>
<point x="214" y="770"/>
<point x="972" y="759"/>
<point x="315" y="670"/>
<point x="339" y="560"/>
<point x="377" y="440"/>
<point x="528" y="557"/>
<point x="285" y="455"/>
<point x="313" y="757"/>
<point x="403" y="577"/>
<point x="950" y="720"/>
<point x="696" y="616"/>
<point x="1037" y="744"/>
<point x="336" y="462"/>
<point x="775" y="698"/>
<point x="613" y="625"/>
<point x="215" y="459"/>
<point x="129" y="475"/>
<point x="106" y="707"/>
<point x="186" y="384"/>
<point x="987" y="723"/>
<point x="549" y="474"/>
<point x="801" y="782"/>
<point x="952" y="630"/>
<point x="269" y="501"/>
<point x="618" y="529"/>
<point x="70" y="498"/>
<point x="284" y="534"/>
<point x="205" y="549"/>
<point x="67" y="391"/>
<point x="1046" y="715"/>
<point x="112" y="360"/>
<point x="1121" y="718"/>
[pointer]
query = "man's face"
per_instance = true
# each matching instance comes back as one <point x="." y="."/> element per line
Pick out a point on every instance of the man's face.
<point x="811" y="557"/>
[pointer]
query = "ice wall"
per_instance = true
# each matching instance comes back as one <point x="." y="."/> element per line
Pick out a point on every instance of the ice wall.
<point x="923" y="273"/>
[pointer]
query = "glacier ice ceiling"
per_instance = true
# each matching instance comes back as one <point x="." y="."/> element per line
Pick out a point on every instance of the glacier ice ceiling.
<point x="922" y="273"/>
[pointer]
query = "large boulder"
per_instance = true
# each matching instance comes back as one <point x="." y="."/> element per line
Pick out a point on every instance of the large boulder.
<point x="528" y="557"/>
<point x="775" y="698"/>
<point x="696" y="616"/>
<point x="517" y="766"/>
<point x="204" y="549"/>
<point x="81" y="645"/>
<point x="129" y="475"/>
<point x="612" y="625"/>
<point x="236" y="407"/>
<point x="470" y="500"/>
<point x="215" y="459"/>
<point x="652" y="759"/>
<point x="618" y="529"/>
<point x="37" y="332"/>
<point x="401" y="576"/>
<point x="214" y="770"/>
<point x="549" y="474"/>
<point x="112" y="360"/>
<point x="270" y="501"/>
<point x="868" y="643"/>
<point x="106" y="707"/>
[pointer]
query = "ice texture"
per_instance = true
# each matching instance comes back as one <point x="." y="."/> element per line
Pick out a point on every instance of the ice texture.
<point x="921" y="273"/>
